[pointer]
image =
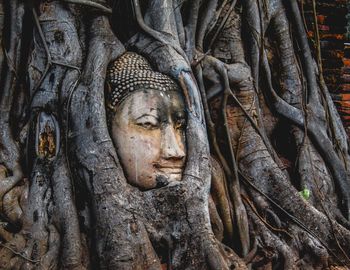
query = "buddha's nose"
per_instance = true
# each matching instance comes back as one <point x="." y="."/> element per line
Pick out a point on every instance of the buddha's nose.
<point x="172" y="146"/>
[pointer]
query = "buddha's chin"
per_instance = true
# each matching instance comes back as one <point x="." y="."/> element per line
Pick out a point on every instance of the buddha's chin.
<point x="163" y="179"/>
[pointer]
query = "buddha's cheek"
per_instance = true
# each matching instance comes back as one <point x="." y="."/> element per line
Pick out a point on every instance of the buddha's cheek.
<point x="147" y="149"/>
<point x="138" y="152"/>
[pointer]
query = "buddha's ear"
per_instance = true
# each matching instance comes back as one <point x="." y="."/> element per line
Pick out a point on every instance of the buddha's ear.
<point x="108" y="91"/>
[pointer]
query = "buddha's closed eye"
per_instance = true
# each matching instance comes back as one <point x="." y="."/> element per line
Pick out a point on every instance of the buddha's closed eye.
<point x="149" y="122"/>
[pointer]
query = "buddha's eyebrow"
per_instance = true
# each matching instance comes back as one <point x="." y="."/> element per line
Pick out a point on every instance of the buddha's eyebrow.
<point x="147" y="111"/>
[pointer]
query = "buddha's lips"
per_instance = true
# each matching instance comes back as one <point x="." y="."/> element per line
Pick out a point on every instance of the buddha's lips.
<point x="170" y="170"/>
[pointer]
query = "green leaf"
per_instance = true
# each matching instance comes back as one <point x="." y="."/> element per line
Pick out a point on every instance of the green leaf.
<point x="305" y="193"/>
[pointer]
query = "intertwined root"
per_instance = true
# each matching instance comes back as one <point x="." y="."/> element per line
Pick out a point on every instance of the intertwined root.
<point x="271" y="222"/>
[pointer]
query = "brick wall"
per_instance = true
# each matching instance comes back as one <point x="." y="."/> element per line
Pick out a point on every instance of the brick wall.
<point x="333" y="18"/>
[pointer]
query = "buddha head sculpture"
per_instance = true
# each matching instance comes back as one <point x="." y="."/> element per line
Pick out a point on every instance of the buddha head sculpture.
<point x="147" y="121"/>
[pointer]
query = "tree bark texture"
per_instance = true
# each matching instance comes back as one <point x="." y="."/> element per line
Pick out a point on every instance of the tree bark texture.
<point x="266" y="183"/>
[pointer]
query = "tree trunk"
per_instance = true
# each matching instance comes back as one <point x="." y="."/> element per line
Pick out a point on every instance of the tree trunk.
<point x="266" y="183"/>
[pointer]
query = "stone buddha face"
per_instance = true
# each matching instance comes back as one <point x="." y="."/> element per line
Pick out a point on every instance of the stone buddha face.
<point x="148" y="131"/>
